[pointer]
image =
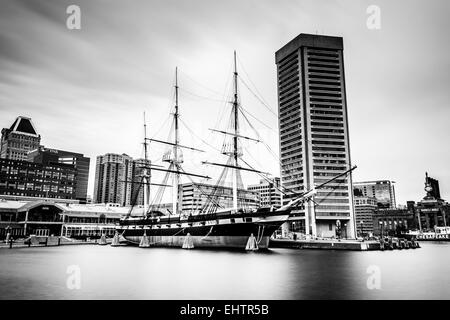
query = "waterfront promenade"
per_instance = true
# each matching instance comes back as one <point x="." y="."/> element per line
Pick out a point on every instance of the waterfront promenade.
<point x="43" y="242"/>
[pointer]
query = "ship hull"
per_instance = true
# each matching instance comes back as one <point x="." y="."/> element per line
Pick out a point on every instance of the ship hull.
<point x="210" y="235"/>
<point x="230" y="242"/>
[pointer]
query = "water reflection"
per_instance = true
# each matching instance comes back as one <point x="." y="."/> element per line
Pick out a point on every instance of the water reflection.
<point x="158" y="273"/>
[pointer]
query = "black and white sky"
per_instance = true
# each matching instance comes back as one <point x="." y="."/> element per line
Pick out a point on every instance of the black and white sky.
<point x="86" y="90"/>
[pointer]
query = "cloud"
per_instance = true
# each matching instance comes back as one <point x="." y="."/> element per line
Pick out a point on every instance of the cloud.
<point x="86" y="89"/>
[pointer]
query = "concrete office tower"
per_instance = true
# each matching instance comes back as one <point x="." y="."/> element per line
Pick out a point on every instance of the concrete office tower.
<point x="382" y="190"/>
<point x="314" y="138"/>
<point x="269" y="193"/>
<point x="19" y="139"/>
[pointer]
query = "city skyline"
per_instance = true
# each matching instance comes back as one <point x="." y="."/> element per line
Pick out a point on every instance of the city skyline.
<point x="81" y="89"/>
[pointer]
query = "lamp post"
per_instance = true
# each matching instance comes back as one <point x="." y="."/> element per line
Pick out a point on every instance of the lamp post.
<point x="396" y="228"/>
<point x="381" y="227"/>
<point x="338" y="229"/>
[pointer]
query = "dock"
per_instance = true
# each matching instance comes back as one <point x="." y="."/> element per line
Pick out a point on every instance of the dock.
<point x="322" y="244"/>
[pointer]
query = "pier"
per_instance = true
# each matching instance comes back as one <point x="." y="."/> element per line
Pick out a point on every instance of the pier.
<point x="345" y="244"/>
<point x="354" y="245"/>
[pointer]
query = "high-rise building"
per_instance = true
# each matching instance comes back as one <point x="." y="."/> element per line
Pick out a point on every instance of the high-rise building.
<point x="269" y="193"/>
<point x="117" y="180"/>
<point x="382" y="190"/>
<point x="365" y="207"/>
<point x="19" y="139"/>
<point x="111" y="173"/>
<point x="81" y="164"/>
<point x="314" y="137"/>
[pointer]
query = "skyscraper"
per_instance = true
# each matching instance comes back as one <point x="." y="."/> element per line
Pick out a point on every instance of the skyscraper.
<point x="19" y="139"/>
<point x="314" y="138"/>
<point x="117" y="180"/>
<point x="111" y="172"/>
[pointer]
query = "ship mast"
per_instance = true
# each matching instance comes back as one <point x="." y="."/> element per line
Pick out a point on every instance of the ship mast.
<point x="174" y="158"/>
<point x="176" y="161"/>
<point x="235" y="138"/>
<point x="174" y="155"/>
<point x="146" y="173"/>
<point x="235" y="153"/>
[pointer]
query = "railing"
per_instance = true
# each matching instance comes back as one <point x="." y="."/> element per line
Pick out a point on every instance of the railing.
<point x="332" y="214"/>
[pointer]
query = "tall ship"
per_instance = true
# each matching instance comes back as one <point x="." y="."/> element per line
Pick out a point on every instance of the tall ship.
<point x="212" y="225"/>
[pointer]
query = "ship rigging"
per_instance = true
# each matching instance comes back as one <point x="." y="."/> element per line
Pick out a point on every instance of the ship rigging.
<point x="213" y="225"/>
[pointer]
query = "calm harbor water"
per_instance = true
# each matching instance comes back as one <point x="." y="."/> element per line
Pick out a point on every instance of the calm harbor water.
<point x="159" y="273"/>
